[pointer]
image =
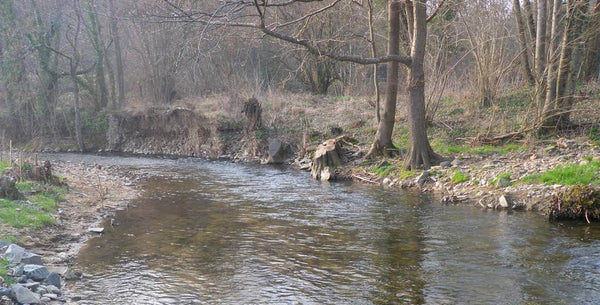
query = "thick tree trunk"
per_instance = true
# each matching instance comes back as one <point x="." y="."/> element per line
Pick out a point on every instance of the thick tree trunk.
<point x="383" y="138"/>
<point x="420" y="154"/>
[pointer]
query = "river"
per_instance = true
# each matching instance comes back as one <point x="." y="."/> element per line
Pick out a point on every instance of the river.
<point x="223" y="233"/>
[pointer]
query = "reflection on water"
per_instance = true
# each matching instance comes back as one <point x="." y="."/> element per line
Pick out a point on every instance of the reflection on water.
<point x="218" y="233"/>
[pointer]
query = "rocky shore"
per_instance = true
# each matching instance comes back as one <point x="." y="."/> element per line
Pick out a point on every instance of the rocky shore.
<point x="489" y="181"/>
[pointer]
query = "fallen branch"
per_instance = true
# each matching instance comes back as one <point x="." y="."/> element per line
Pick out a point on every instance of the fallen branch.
<point x="364" y="179"/>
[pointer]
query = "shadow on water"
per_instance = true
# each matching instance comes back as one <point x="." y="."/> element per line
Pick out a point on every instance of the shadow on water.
<point x="220" y="233"/>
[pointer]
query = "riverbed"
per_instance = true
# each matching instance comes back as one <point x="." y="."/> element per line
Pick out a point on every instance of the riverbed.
<point x="223" y="233"/>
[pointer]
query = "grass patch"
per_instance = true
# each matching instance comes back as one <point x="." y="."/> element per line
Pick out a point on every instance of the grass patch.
<point x="4" y="268"/>
<point x="26" y="186"/>
<point x="9" y="239"/>
<point x="459" y="177"/>
<point x="500" y="177"/>
<point x="453" y="148"/>
<point x="571" y="174"/>
<point x="384" y="169"/>
<point x="4" y="164"/>
<point x="21" y="214"/>
<point x="403" y="175"/>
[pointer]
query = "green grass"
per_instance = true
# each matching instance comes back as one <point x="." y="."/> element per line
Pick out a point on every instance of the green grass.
<point x="459" y="177"/>
<point x="4" y="267"/>
<point x="26" y="186"/>
<point x="453" y="148"/>
<point x="571" y="174"/>
<point x="19" y="215"/>
<point x="9" y="239"/>
<point x="4" y="164"/>
<point x="499" y="177"/>
<point x="384" y="170"/>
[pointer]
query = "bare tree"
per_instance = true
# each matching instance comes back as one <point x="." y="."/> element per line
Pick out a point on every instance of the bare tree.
<point x="263" y="16"/>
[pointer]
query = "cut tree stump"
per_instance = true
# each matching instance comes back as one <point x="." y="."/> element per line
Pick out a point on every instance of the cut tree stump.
<point x="326" y="160"/>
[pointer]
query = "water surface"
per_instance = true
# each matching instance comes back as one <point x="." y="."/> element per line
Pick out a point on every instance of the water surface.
<point x="221" y="233"/>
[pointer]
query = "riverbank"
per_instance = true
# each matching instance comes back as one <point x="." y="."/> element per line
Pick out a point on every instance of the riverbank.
<point x="94" y="193"/>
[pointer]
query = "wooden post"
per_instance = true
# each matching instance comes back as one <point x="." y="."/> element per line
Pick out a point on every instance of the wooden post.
<point x="36" y="159"/>
<point x="10" y="152"/>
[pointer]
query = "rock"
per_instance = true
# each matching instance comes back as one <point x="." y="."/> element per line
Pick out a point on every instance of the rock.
<point x="96" y="230"/>
<point x="53" y="289"/>
<point x="8" y="188"/>
<point x="22" y="295"/>
<point x="502" y="202"/>
<point x="17" y="271"/>
<point x="4" y="291"/>
<point x="76" y="298"/>
<point x="36" y="272"/>
<point x="276" y="152"/>
<point x="503" y="182"/>
<point x="31" y="259"/>
<point x="386" y="181"/>
<point x="45" y="299"/>
<point x="4" y="244"/>
<point x="422" y="178"/>
<point x="455" y="162"/>
<point x="14" y="254"/>
<point x="445" y="164"/>
<point x="52" y="296"/>
<point x="53" y="279"/>
<point x="31" y="285"/>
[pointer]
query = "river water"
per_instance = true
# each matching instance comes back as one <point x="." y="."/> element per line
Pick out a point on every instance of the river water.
<point x="222" y="233"/>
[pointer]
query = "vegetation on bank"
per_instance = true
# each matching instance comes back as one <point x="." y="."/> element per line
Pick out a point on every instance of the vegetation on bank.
<point x="586" y="173"/>
<point x="38" y="207"/>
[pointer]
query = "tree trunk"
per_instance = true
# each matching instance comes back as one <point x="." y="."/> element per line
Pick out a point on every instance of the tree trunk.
<point x="383" y="138"/>
<point x="526" y="66"/>
<point x="326" y="160"/>
<point x="375" y="67"/>
<point x="553" y="58"/>
<point x="94" y="33"/>
<point x="420" y="153"/>
<point x="556" y="113"/>
<point x="540" y="56"/>
<point x="114" y="30"/>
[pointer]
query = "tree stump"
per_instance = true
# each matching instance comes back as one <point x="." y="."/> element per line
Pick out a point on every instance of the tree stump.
<point x="326" y="160"/>
<point x="253" y="112"/>
<point x="8" y="189"/>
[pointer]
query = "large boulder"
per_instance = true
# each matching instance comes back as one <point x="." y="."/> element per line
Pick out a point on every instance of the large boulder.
<point x="8" y="188"/>
<point x="23" y="295"/>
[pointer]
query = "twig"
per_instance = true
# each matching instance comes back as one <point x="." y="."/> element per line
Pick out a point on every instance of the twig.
<point x="364" y="179"/>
